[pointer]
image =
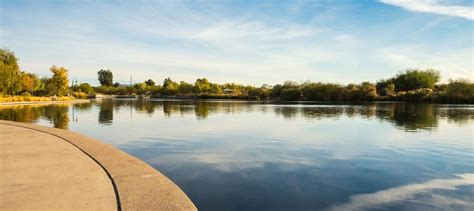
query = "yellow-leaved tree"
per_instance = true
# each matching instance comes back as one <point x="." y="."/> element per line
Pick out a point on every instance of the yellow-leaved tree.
<point x="58" y="84"/>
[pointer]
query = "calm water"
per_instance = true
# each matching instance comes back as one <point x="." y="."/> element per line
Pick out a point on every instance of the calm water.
<point x="254" y="156"/>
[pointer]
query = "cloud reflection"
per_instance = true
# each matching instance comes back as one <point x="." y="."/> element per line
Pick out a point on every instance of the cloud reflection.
<point x="410" y="192"/>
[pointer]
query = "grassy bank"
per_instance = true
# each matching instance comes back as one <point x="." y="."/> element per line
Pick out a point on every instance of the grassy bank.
<point x="16" y="99"/>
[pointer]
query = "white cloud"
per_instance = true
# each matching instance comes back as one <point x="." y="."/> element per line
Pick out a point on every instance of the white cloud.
<point x="185" y="41"/>
<point x="433" y="6"/>
<point x="452" y="63"/>
<point x="344" y="37"/>
<point x="253" y="29"/>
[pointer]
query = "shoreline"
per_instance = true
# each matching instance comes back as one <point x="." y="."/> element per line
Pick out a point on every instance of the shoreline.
<point x="230" y="100"/>
<point x="341" y="102"/>
<point x="43" y="102"/>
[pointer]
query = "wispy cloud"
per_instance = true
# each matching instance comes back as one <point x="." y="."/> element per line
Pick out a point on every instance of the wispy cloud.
<point x="420" y="56"/>
<point x="254" y="29"/>
<point x="434" y="6"/>
<point x="253" y="44"/>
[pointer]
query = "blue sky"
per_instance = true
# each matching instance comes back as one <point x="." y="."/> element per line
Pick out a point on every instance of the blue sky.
<point x="247" y="42"/>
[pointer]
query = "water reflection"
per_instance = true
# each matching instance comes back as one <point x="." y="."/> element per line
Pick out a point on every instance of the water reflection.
<point x="415" y="196"/>
<point x="409" y="117"/>
<point x="237" y="155"/>
<point x="56" y="114"/>
<point x="106" y="112"/>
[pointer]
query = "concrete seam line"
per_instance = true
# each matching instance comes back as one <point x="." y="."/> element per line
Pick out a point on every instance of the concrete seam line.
<point x="117" y="197"/>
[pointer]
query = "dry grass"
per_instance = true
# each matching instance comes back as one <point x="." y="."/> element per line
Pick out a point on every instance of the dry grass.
<point x="14" y="99"/>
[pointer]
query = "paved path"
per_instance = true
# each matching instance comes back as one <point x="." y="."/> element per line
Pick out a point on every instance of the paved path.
<point x="53" y="169"/>
<point x="42" y="171"/>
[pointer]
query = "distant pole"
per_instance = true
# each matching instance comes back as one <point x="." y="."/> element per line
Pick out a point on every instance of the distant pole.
<point x="130" y="80"/>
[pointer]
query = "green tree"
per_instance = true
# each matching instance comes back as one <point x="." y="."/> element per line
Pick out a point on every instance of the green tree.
<point x="276" y="91"/>
<point x="106" y="77"/>
<point x="168" y="82"/>
<point x="58" y="84"/>
<point x="202" y="85"/>
<point x="416" y="79"/>
<point x="460" y="90"/>
<point x="322" y="91"/>
<point x="215" y="89"/>
<point x="259" y="93"/>
<point x="290" y="94"/>
<point x="87" y="88"/>
<point x="170" y="87"/>
<point x="9" y="72"/>
<point x="385" y="87"/>
<point x="368" y="91"/>
<point x="150" y="82"/>
<point x="185" y="88"/>
<point x="141" y="88"/>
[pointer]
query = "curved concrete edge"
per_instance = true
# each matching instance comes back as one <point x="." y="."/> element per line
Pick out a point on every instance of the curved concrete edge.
<point x="138" y="185"/>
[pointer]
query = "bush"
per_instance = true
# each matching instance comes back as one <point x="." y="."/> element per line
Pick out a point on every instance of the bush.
<point x="290" y="94"/>
<point x="80" y="95"/>
<point x="12" y="99"/>
<point x="458" y="91"/>
<point x="414" y="79"/>
<point x="417" y="95"/>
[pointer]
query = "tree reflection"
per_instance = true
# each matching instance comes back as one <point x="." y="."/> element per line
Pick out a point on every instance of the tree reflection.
<point x="82" y="106"/>
<point x="409" y="117"/>
<point x="201" y="110"/>
<point x="106" y="112"/>
<point x="322" y="112"/>
<point x="58" y="115"/>
<point x="288" y="112"/>
<point x="27" y="114"/>
<point x="458" y="116"/>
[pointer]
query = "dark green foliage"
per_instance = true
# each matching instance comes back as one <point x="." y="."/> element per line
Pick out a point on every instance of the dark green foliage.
<point x="322" y="92"/>
<point x="292" y="93"/>
<point x="416" y="79"/>
<point x="385" y="87"/>
<point x="459" y="91"/>
<point x="169" y="87"/>
<point x="150" y="82"/>
<point x="106" y="77"/>
<point x="276" y="91"/>
<point x="83" y="87"/>
<point x="260" y="93"/>
<point x="185" y="88"/>
<point x="87" y="88"/>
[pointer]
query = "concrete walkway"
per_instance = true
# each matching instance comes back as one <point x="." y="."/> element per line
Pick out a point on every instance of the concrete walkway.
<point x="52" y="169"/>
<point x="42" y="171"/>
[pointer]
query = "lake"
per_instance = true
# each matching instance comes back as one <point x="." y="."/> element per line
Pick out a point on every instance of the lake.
<point x="241" y="155"/>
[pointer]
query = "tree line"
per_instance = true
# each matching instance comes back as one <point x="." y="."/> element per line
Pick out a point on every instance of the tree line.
<point x="13" y="81"/>
<point x="411" y="85"/>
